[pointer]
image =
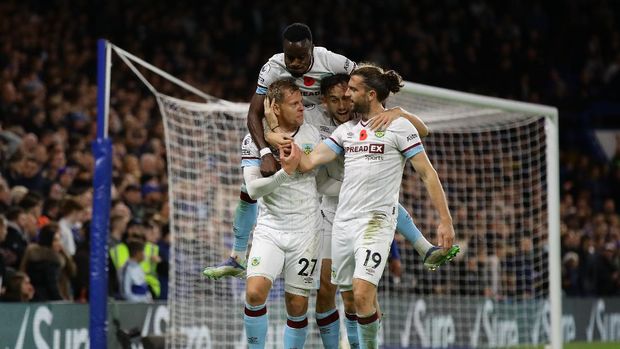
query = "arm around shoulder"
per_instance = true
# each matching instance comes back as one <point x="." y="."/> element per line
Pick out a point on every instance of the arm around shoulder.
<point x="322" y="154"/>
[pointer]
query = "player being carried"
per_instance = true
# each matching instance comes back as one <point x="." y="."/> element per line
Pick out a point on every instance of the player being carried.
<point x="366" y="215"/>
<point x="306" y="64"/>
<point x="287" y="237"/>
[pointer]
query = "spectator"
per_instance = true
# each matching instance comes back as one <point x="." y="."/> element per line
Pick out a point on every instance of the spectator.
<point x="43" y="264"/>
<point x="16" y="239"/>
<point x="119" y="254"/>
<point x="82" y="262"/>
<point x="70" y="224"/>
<point x="152" y="258"/>
<point x="18" y="288"/>
<point x="164" y="266"/>
<point x="133" y="283"/>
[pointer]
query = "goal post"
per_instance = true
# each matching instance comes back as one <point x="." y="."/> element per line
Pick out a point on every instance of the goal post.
<point x="497" y="159"/>
<point x="451" y="113"/>
<point x="102" y="188"/>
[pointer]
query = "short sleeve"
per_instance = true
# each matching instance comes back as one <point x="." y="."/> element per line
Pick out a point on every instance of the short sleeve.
<point x="335" y="141"/>
<point x="266" y="76"/>
<point x="407" y="138"/>
<point x="339" y="64"/>
<point x="250" y="156"/>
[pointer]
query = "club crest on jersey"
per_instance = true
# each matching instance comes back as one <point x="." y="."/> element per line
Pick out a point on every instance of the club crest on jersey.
<point x="307" y="148"/>
<point x="309" y="81"/>
<point x="379" y="134"/>
<point x="255" y="261"/>
<point x="363" y="135"/>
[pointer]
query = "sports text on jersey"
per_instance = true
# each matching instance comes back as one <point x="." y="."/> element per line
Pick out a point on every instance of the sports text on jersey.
<point x="370" y="148"/>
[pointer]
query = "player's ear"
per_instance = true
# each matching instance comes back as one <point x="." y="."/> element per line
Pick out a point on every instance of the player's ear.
<point x="276" y="109"/>
<point x="372" y="94"/>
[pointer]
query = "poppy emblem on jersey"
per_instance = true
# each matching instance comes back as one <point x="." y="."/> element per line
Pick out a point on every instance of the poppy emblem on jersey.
<point x="307" y="148"/>
<point x="379" y="134"/>
<point x="308" y="81"/>
<point x="255" y="261"/>
<point x="363" y="135"/>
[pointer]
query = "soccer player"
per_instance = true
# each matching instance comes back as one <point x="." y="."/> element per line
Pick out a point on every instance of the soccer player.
<point x="307" y="65"/>
<point x="336" y="110"/>
<point x="286" y="237"/>
<point x="364" y="223"/>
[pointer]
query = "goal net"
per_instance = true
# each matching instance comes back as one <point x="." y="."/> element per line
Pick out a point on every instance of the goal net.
<point x="492" y="163"/>
<point x="493" y="159"/>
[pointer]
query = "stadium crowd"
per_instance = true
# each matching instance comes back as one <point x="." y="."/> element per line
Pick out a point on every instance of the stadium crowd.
<point x="514" y="50"/>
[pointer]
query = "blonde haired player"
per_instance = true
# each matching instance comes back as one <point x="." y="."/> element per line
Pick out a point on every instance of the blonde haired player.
<point x="287" y="236"/>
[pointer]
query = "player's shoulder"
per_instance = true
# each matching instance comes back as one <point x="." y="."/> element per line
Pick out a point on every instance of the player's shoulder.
<point x="322" y="52"/>
<point x="309" y="129"/>
<point x="271" y="70"/>
<point x="248" y="148"/>
<point x="314" y="114"/>
<point x="247" y="141"/>
<point x="277" y="59"/>
<point x="347" y="126"/>
<point x="402" y="125"/>
<point x="332" y="61"/>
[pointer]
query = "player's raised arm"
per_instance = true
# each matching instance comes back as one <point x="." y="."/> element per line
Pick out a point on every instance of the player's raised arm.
<point x="255" y="125"/>
<point x="322" y="154"/>
<point x="259" y="186"/>
<point x="383" y="120"/>
<point x="429" y="176"/>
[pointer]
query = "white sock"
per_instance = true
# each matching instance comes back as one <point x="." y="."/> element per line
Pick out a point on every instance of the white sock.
<point x="422" y="246"/>
<point x="239" y="256"/>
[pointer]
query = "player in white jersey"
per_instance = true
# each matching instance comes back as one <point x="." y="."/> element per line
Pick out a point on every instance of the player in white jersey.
<point x="287" y="236"/>
<point x="307" y="65"/>
<point x="366" y="215"/>
<point x="334" y="111"/>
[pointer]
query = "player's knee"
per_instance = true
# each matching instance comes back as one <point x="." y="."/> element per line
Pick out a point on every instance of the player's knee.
<point x="363" y="301"/>
<point x="256" y="296"/>
<point x="348" y="301"/>
<point x="296" y="305"/>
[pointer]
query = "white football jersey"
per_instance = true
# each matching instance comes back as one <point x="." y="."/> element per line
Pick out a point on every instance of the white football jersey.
<point x="373" y="165"/>
<point x="317" y="116"/>
<point x="324" y="63"/>
<point x="294" y="205"/>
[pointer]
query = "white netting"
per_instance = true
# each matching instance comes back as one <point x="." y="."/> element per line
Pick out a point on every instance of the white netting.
<point x="492" y="165"/>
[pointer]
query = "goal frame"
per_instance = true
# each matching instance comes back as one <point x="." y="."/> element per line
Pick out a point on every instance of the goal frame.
<point x="553" y="181"/>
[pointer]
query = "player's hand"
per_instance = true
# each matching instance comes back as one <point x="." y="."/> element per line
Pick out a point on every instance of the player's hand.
<point x="383" y="120"/>
<point x="276" y="139"/>
<point x="290" y="161"/>
<point x="268" y="165"/>
<point x="285" y="149"/>
<point x="445" y="233"/>
<point x="272" y="120"/>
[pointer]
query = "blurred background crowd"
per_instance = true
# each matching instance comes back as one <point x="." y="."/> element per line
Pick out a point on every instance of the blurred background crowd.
<point x="561" y="53"/>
